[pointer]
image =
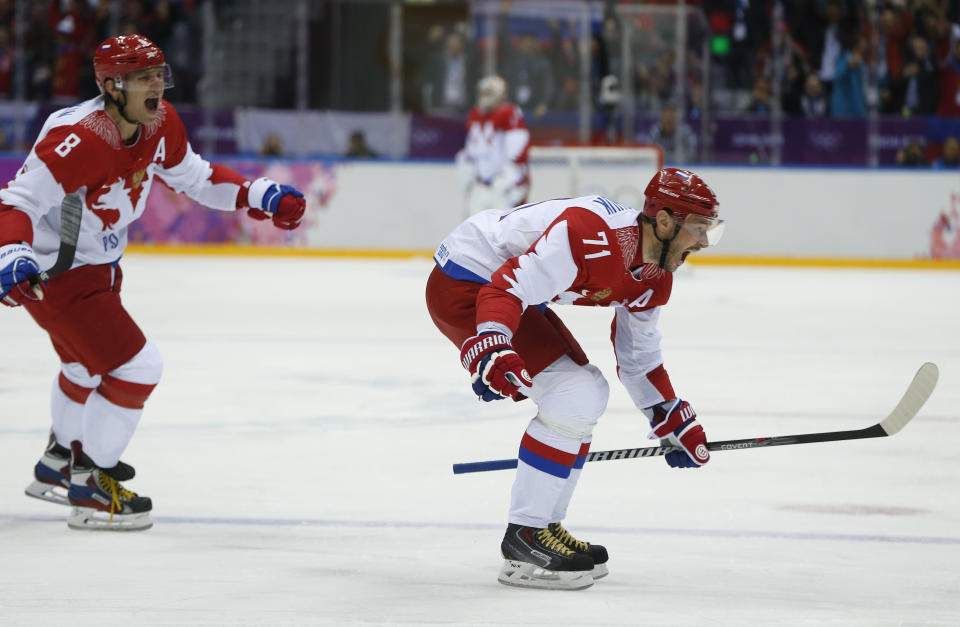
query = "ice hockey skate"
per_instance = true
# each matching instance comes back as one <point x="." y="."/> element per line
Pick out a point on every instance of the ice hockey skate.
<point x="596" y="552"/>
<point x="100" y="502"/>
<point x="51" y="475"/>
<point x="535" y="558"/>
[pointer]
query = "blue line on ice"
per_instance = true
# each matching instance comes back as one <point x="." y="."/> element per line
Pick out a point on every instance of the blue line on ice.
<point x="412" y="524"/>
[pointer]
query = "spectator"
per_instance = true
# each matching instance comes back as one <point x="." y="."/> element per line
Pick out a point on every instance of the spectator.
<point x="920" y="97"/>
<point x="892" y="38"/>
<point x="830" y="45"/>
<point x="749" y="33"/>
<point x="950" y="158"/>
<point x="529" y="75"/>
<point x="67" y="62"/>
<point x="678" y="141"/>
<point x="6" y="61"/>
<point x="760" y="101"/>
<point x="787" y="66"/>
<point x="357" y="147"/>
<point x="948" y="103"/>
<point x="565" y="61"/>
<point x="912" y="155"/>
<point x="272" y="146"/>
<point x="813" y="103"/>
<point x="450" y="77"/>
<point x="847" y="97"/>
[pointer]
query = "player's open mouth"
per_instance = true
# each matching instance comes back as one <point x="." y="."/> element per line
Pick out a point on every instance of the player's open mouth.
<point x="151" y="104"/>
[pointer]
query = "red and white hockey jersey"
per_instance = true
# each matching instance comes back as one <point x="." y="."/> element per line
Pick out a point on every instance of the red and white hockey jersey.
<point x="497" y="144"/>
<point x="80" y="150"/>
<point x="579" y="251"/>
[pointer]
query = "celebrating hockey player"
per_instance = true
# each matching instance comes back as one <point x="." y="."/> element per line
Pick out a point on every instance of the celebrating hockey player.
<point x="493" y="165"/>
<point x="496" y="275"/>
<point x="107" y="150"/>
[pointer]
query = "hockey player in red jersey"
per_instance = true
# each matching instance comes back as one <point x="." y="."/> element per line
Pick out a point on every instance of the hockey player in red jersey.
<point x="494" y="163"/>
<point x="490" y="293"/>
<point x="108" y="151"/>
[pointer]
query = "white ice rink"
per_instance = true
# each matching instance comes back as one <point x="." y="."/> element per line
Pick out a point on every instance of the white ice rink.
<point x="299" y="447"/>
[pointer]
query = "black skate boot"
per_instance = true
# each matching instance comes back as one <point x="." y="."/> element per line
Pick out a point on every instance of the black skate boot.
<point x="596" y="552"/>
<point x="535" y="558"/>
<point x="100" y="502"/>
<point x="51" y="474"/>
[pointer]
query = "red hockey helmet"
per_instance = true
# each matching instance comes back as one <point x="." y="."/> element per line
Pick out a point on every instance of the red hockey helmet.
<point x="118" y="56"/>
<point x="682" y="192"/>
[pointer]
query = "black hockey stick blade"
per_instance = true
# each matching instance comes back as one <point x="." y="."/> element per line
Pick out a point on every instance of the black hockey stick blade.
<point x="913" y="399"/>
<point x="71" y="211"/>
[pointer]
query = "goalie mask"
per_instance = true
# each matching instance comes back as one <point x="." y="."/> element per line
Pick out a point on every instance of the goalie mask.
<point x="491" y="91"/>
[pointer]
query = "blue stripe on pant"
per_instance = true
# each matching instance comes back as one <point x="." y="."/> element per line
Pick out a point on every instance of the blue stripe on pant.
<point x="543" y="464"/>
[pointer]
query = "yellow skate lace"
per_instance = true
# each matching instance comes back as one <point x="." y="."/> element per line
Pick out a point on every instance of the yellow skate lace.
<point x="116" y="491"/>
<point x="564" y="536"/>
<point x="551" y="542"/>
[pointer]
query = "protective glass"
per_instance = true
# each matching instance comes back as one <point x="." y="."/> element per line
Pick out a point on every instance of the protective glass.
<point x="707" y="231"/>
<point x="148" y="78"/>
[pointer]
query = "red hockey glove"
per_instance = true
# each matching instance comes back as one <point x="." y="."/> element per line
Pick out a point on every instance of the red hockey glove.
<point x="18" y="265"/>
<point x="674" y="422"/>
<point x="496" y="371"/>
<point x="271" y="200"/>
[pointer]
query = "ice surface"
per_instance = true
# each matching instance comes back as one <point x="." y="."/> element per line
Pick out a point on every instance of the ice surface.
<point x="299" y="447"/>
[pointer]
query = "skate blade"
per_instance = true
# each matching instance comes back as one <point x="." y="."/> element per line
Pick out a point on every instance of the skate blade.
<point x="89" y="519"/>
<point x="47" y="492"/>
<point x="526" y="575"/>
<point x="599" y="571"/>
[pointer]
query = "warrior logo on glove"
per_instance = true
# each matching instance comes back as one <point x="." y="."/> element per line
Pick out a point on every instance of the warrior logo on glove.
<point x="675" y="423"/>
<point x="496" y="370"/>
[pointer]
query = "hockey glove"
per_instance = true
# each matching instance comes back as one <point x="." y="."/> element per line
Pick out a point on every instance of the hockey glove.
<point x="18" y="265"/>
<point x="496" y="371"/>
<point x="281" y="203"/>
<point x="675" y="423"/>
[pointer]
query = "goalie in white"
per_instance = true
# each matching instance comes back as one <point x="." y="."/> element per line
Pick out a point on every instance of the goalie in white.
<point x="493" y="165"/>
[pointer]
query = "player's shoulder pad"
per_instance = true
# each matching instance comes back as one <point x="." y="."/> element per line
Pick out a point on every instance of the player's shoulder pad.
<point x="80" y="151"/>
<point x="88" y="137"/>
<point x="597" y="210"/>
<point x="581" y="218"/>
<point x="508" y="116"/>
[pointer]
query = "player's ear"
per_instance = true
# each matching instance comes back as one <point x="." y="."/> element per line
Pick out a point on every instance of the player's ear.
<point x="109" y="87"/>
<point x="664" y="220"/>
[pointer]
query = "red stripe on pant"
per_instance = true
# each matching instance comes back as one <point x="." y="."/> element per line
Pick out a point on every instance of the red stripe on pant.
<point x="659" y="379"/>
<point x="124" y="393"/>
<point x="76" y="393"/>
<point x="547" y="452"/>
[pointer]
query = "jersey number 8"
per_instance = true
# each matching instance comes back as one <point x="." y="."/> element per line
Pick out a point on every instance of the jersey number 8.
<point x="67" y="145"/>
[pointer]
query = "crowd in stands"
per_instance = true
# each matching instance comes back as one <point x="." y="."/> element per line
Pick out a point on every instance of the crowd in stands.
<point x="822" y="58"/>
<point x="60" y="37"/>
<point x="802" y="58"/>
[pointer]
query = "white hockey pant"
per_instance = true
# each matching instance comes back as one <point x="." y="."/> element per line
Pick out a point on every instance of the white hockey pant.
<point x="111" y="405"/>
<point x="570" y="400"/>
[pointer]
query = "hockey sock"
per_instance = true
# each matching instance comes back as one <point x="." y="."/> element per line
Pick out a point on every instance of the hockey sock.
<point x="69" y="394"/>
<point x="560" y="509"/>
<point x="546" y="462"/>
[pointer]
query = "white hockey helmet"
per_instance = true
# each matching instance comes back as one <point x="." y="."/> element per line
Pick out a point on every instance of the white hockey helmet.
<point x="491" y="91"/>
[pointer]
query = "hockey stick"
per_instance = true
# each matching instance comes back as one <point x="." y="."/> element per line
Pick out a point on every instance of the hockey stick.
<point x="71" y="211"/>
<point x="913" y="399"/>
